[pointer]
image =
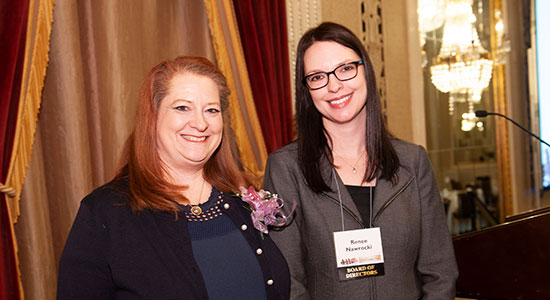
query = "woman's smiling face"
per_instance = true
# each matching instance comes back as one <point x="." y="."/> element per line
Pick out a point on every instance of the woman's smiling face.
<point x="339" y="102"/>
<point x="189" y="123"/>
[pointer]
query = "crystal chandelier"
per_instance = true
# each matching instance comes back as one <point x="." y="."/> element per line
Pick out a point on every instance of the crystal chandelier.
<point x="431" y="15"/>
<point x="463" y="67"/>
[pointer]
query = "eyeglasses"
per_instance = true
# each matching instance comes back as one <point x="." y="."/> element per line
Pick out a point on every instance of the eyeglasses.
<point x="343" y="72"/>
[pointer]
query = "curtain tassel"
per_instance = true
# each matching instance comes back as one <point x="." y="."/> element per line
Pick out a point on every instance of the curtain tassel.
<point x="8" y="190"/>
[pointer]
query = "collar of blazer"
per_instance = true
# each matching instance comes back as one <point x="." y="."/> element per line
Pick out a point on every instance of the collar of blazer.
<point x="385" y="193"/>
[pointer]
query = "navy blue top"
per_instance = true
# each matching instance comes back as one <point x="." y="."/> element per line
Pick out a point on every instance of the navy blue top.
<point x="212" y="231"/>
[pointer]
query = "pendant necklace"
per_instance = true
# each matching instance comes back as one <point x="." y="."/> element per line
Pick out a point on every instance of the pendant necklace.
<point x="353" y="168"/>
<point x="196" y="209"/>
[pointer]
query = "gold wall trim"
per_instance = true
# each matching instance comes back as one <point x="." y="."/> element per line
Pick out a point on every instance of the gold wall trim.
<point x="506" y="205"/>
<point x="230" y="59"/>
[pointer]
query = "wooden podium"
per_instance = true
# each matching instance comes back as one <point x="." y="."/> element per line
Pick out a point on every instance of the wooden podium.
<point x="506" y="261"/>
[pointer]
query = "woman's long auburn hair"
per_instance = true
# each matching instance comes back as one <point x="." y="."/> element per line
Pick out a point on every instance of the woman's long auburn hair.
<point x="141" y="162"/>
<point x="312" y="136"/>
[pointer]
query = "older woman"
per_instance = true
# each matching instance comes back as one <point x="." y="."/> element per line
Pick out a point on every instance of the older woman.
<point x="168" y="225"/>
<point x="369" y="223"/>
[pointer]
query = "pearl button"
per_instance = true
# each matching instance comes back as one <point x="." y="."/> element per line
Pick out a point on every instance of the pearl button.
<point x="270" y="282"/>
<point x="259" y="251"/>
<point x="226" y="206"/>
<point x="244" y="227"/>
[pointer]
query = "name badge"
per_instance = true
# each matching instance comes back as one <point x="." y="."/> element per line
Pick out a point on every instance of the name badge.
<point x="359" y="253"/>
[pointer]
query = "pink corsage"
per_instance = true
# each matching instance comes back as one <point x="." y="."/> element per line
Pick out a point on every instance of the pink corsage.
<point x="265" y="208"/>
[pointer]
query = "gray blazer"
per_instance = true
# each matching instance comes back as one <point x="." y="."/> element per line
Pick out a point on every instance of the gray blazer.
<point x="419" y="259"/>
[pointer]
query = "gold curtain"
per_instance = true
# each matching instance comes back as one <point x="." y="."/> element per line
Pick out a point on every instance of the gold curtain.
<point x="99" y="53"/>
<point x="231" y="61"/>
<point x="32" y="81"/>
<point x="36" y="61"/>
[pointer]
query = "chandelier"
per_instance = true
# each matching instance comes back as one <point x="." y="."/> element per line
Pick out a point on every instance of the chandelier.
<point x="431" y="15"/>
<point x="463" y="67"/>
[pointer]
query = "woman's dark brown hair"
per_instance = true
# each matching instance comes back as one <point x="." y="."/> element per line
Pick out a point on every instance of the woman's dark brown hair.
<point x="312" y="136"/>
<point x="141" y="162"/>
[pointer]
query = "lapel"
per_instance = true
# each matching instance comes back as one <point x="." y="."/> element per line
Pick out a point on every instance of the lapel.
<point x="384" y="193"/>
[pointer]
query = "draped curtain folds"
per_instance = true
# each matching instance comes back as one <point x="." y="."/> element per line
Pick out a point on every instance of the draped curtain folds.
<point x="230" y="59"/>
<point x="25" y="32"/>
<point x="263" y="30"/>
<point x="100" y="53"/>
<point x="13" y="26"/>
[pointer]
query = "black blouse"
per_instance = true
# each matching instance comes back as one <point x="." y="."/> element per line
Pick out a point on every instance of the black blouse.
<point x="362" y="196"/>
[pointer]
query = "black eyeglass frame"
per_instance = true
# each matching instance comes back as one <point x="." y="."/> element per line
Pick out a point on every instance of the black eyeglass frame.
<point x="356" y="63"/>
